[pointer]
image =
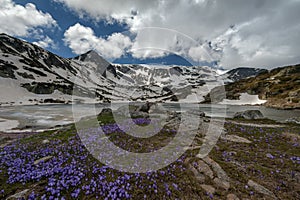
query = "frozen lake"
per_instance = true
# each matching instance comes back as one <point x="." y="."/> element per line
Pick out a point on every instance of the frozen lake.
<point x="39" y="117"/>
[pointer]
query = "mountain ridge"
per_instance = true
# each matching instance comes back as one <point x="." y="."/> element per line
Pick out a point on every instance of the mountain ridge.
<point x="36" y="76"/>
<point x="280" y="87"/>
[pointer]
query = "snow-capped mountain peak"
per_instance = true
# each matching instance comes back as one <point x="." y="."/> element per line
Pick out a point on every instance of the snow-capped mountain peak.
<point x="34" y="75"/>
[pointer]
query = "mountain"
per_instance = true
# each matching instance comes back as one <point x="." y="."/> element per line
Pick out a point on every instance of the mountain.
<point x="32" y="75"/>
<point x="280" y="87"/>
<point x="242" y="73"/>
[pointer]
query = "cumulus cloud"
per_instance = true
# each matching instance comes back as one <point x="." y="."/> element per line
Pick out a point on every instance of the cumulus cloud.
<point x="20" y="20"/>
<point x="260" y="33"/>
<point x="46" y="42"/>
<point x="82" y="39"/>
<point x="154" y="42"/>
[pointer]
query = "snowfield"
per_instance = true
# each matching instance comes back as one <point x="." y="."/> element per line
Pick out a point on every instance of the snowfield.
<point x="245" y="99"/>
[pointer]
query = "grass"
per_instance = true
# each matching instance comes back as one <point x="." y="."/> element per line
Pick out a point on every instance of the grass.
<point x="241" y="162"/>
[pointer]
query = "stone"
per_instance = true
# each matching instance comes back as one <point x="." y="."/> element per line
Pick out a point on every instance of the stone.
<point x="105" y="111"/>
<point x="45" y="141"/>
<point x="205" y="169"/>
<point x="145" y="107"/>
<point x="134" y="110"/>
<point x="249" y="114"/>
<point x="232" y="197"/>
<point x="44" y="159"/>
<point x="268" y="155"/>
<point x="261" y="189"/>
<point x="217" y="169"/>
<point x="235" y="138"/>
<point x="222" y="179"/>
<point x="294" y="120"/>
<point x="196" y="112"/>
<point x="221" y="183"/>
<point x="20" y="195"/>
<point x="208" y="188"/>
<point x="200" y="178"/>
<point x="192" y="148"/>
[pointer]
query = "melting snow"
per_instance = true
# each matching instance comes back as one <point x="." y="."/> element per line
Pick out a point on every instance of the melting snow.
<point x="245" y="99"/>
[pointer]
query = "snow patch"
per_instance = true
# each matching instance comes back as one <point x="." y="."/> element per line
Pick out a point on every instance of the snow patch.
<point x="245" y="99"/>
<point x="6" y="125"/>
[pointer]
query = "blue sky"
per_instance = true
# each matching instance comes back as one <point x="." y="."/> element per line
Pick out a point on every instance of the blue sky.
<point x="66" y="18"/>
<point x="228" y="33"/>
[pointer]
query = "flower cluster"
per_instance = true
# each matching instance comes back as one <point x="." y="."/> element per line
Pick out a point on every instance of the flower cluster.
<point x="70" y="172"/>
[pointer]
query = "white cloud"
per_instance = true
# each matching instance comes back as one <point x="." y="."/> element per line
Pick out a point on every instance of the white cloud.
<point x="108" y="9"/>
<point x="82" y="39"/>
<point x="45" y="43"/>
<point x="20" y="20"/>
<point x="156" y="42"/>
<point x="265" y="31"/>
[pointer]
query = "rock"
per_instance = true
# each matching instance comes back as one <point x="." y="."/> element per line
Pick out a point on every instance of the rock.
<point x="145" y="107"/>
<point x="232" y="197"/>
<point x="261" y="189"/>
<point x="206" y="120"/>
<point x="20" y="195"/>
<point x="235" y="138"/>
<point x="249" y="114"/>
<point x="45" y="141"/>
<point x="294" y="120"/>
<point x="200" y="178"/>
<point x="192" y="148"/>
<point x="44" y="159"/>
<point x="5" y="144"/>
<point x="204" y="168"/>
<point x="222" y="179"/>
<point x="196" y="112"/>
<point x="134" y="110"/>
<point x="216" y="168"/>
<point x="222" y="183"/>
<point x="268" y="155"/>
<point x="105" y="111"/>
<point x="208" y="188"/>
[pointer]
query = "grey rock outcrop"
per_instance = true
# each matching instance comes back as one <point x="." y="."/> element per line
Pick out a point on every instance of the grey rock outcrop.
<point x="261" y="189"/>
<point x="249" y="114"/>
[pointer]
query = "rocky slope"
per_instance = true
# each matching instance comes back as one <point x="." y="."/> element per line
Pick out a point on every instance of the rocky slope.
<point x="280" y="87"/>
<point x="242" y="73"/>
<point x="32" y="75"/>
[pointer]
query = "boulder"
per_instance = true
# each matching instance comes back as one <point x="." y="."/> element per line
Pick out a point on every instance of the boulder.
<point x="135" y="110"/>
<point x="208" y="188"/>
<point x="294" y="120"/>
<point x="232" y="197"/>
<point x="261" y="189"/>
<point x="145" y="107"/>
<point x="235" y="138"/>
<point x="20" y="195"/>
<point x="222" y="179"/>
<point x="105" y="111"/>
<point x="205" y="169"/>
<point x="44" y="159"/>
<point x="199" y="177"/>
<point x="45" y="141"/>
<point x="249" y="114"/>
<point x="196" y="112"/>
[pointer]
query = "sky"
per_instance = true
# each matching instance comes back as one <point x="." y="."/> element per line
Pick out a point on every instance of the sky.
<point x="223" y="33"/>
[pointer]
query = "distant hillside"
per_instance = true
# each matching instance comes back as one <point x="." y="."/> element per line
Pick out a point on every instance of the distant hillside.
<point x="242" y="73"/>
<point x="280" y="87"/>
<point x="32" y="75"/>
